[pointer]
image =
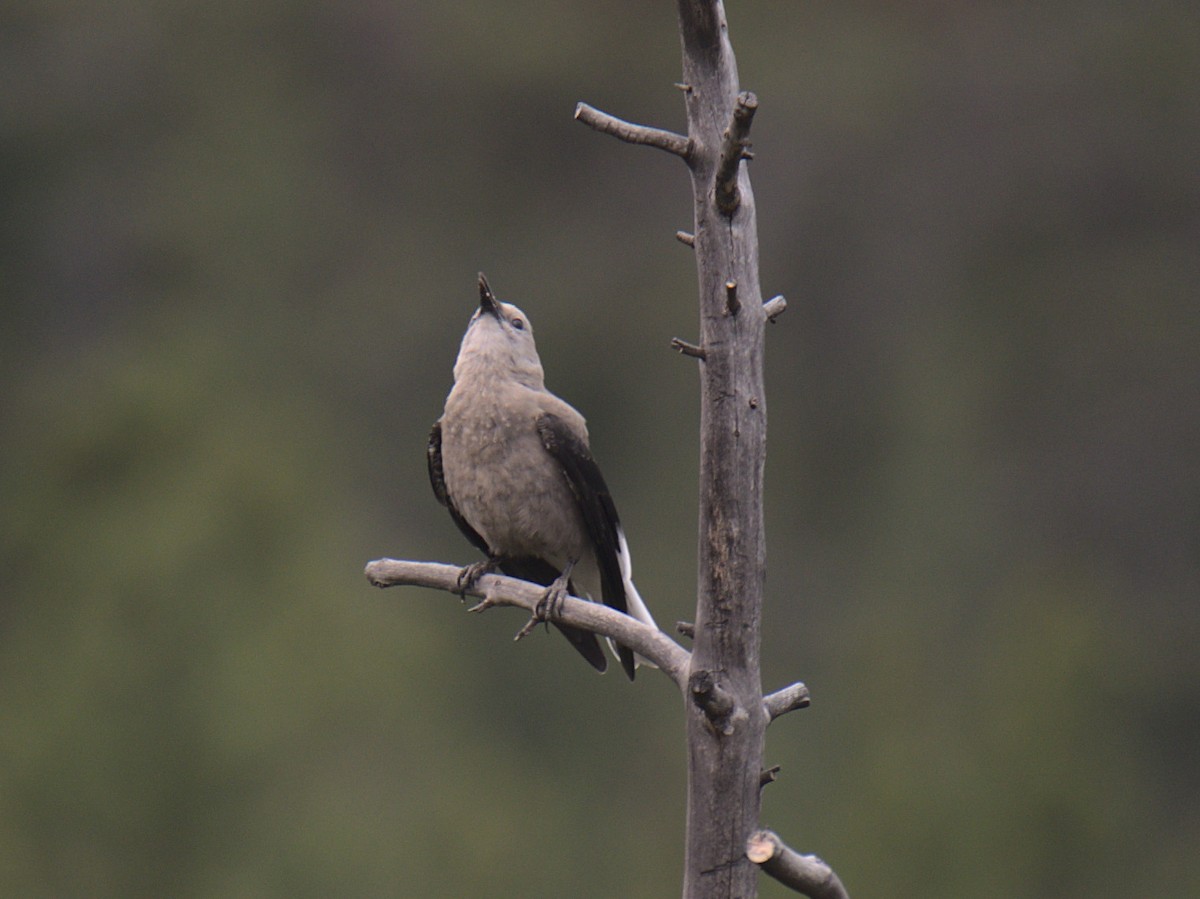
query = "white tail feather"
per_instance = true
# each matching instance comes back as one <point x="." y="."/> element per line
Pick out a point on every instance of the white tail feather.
<point x="634" y="603"/>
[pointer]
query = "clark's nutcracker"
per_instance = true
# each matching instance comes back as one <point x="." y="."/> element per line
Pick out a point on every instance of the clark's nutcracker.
<point x="510" y="460"/>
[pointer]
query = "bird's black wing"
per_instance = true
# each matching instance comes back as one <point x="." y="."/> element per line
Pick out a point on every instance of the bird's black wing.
<point x="437" y="478"/>
<point x="583" y="475"/>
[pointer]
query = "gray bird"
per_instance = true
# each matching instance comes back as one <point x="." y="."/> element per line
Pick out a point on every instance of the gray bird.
<point x="510" y="461"/>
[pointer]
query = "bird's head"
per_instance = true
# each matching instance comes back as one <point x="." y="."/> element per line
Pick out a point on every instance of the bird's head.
<point x="499" y="343"/>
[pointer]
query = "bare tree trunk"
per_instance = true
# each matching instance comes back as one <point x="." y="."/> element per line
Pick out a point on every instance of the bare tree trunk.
<point x="726" y="721"/>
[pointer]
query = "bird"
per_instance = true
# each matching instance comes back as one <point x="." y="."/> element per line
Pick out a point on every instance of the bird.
<point x="512" y="464"/>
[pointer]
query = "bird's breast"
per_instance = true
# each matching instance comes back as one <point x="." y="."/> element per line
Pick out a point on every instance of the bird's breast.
<point x="505" y="484"/>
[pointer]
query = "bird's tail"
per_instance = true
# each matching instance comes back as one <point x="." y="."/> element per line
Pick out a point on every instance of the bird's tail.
<point x="637" y="608"/>
<point x="634" y="604"/>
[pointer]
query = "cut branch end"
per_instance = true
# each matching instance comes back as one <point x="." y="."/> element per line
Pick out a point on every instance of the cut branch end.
<point x="732" y="304"/>
<point x="774" y="307"/>
<point x="805" y="874"/>
<point x="769" y="775"/>
<point x="786" y="700"/>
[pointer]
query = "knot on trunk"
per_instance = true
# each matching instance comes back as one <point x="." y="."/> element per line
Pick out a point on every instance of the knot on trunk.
<point x="719" y="706"/>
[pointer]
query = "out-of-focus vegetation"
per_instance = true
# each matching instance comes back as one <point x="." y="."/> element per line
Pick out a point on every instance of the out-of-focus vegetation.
<point x="237" y="248"/>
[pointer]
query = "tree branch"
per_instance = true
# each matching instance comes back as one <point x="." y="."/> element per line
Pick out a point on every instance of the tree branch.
<point x="498" y="590"/>
<point x="774" y="307"/>
<point x="735" y="146"/>
<point x="688" y="349"/>
<point x="805" y="874"/>
<point x="786" y="700"/>
<point x="635" y="134"/>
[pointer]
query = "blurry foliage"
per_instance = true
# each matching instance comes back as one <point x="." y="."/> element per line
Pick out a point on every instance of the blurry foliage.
<point x="237" y="251"/>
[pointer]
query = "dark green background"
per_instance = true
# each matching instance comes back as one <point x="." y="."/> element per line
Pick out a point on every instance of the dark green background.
<point x="238" y="245"/>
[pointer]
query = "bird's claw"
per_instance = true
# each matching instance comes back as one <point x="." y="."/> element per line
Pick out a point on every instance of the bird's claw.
<point x="470" y="575"/>
<point x="550" y="605"/>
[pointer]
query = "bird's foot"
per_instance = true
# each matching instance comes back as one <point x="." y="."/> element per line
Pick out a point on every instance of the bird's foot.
<point x="550" y="604"/>
<point x="470" y="575"/>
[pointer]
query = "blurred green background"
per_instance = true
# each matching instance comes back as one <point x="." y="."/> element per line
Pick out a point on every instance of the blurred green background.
<point x="238" y="246"/>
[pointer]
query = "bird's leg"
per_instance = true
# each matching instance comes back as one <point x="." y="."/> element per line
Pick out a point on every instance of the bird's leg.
<point x="470" y="574"/>
<point x="551" y="602"/>
<point x="548" y="606"/>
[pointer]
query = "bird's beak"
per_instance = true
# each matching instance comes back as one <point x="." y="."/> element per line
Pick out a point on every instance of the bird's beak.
<point x="487" y="300"/>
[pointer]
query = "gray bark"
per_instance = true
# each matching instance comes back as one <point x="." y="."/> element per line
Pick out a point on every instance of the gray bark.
<point x="725" y="738"/>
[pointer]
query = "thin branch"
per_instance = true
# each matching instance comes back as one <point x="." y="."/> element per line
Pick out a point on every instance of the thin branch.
<point x="688" y="349"/>
<point x="786" y="700"/>
<point x="735" y="146"/>
<point x="678" y="144"/>
<point x="774" y="308"/>
<point x="498" y="590"/>
<point x="687" y="238"/>
<point x="805" y="874"/>
<point x="769" y="775"/>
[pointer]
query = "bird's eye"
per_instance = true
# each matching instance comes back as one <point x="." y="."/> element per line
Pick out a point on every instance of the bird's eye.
<point x="518" y="323"/>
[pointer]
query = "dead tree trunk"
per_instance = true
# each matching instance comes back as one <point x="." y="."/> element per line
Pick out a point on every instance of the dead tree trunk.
<point x="726" y="711"/>
<point x="726" y="721"/>
<point x="727" y="716"/>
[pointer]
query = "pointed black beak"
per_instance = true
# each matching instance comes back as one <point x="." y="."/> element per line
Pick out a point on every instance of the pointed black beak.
<point x="487" y="300"/>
